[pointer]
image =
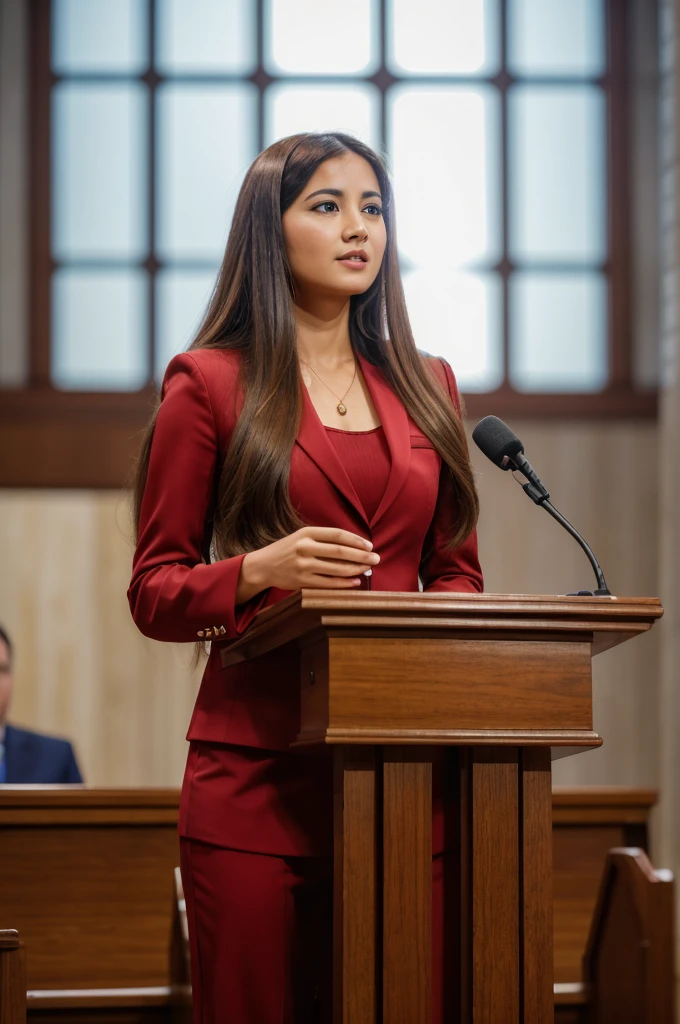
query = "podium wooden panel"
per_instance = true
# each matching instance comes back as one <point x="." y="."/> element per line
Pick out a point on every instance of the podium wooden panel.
<point x="505" y="682"/>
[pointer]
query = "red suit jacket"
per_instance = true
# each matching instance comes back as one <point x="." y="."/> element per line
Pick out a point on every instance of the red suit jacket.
<point x="175" y="595"/>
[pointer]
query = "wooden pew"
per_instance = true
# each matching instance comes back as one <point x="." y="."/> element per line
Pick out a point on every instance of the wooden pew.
<point x="587" y="823"/>
<point x="12" y="978"/>
<point x="629" y="963"/>
<point x="86" y="876"/>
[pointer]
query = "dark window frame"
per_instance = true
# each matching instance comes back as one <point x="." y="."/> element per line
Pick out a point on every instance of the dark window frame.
<point x="58" y="438"/>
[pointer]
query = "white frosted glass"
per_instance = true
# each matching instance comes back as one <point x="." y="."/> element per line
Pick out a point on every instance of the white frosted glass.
<point x="99" y="35"/>
<point x="557" y="187"/>
<point x="458" y="316"/>
<point x="305" y="108"/>
<point x="556" y="37"/>
<point x="443" y="142"/>
<point x="434" y="37"/>
<point x="98" y="170"/>
<point x="305" y="37"/>
<point x="99" y="321"/>
<point x="181" y="300"/>
<point x="558" y="332"/>
<point x="206" y="142"/>
<point x="205" y="36"/>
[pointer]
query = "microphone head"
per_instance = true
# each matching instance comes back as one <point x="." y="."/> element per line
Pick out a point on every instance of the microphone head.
<point x="496" y="440"/>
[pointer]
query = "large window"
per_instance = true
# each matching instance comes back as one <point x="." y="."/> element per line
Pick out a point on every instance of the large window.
<point x="504" y="123"/>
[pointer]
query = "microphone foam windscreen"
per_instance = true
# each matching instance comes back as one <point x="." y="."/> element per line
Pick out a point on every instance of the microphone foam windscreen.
<point x="496" y="440"/>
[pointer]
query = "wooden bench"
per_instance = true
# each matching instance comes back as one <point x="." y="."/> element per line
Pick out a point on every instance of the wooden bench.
<point x="87" y="879"/>
<point x="587" y="823"/>
<point x="629" y="958"/>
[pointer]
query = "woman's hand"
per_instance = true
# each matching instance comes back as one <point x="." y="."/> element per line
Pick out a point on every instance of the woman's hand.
<point x="314" y="556"/>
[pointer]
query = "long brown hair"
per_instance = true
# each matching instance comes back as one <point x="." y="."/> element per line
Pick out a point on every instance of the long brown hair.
<point x="251" y="309"/>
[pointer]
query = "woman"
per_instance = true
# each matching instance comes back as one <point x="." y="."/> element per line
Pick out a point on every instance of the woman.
<point x="302" y="441"/>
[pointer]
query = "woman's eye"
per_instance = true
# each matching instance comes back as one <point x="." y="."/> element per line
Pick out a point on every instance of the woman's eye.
<point x="330" y="202"/>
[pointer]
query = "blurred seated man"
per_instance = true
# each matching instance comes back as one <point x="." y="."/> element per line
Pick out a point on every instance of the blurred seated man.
<point x="29" y="756"/>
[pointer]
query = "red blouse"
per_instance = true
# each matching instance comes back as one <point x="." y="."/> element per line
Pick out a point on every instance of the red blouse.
<point x="294" y="791"/>
<point x="365" y="456"/>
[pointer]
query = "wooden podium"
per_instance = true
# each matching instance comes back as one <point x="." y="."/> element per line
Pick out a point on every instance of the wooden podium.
<point x="505" y="683"/>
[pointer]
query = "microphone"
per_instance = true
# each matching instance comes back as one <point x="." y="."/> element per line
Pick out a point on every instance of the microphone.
<point x="495" y="438"/>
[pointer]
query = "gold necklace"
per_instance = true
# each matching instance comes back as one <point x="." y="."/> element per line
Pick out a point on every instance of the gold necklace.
<point x="341" y="407"/>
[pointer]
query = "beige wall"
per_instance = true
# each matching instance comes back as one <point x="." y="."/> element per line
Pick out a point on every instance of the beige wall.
<point x="84" y="670"/>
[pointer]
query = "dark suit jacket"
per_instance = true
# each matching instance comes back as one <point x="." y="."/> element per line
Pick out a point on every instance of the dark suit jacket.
<point x="175" y="596"/>
<point x="33" y="757"/>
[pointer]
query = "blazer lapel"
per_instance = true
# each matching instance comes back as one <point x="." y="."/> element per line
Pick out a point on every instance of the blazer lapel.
<point x="313" y="438"/>
<point x="396" y="426"/>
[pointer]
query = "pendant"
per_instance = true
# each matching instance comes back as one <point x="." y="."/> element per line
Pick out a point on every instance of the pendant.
<point x="341" y="408"/>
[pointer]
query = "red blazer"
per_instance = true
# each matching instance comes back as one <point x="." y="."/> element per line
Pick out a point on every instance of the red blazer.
<point x="175" y="596"/>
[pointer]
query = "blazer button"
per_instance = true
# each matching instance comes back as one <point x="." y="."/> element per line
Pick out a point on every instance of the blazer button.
<point x="222" y="630"/>
<point x="200" y="632"/>
<point x="208" y="632"/>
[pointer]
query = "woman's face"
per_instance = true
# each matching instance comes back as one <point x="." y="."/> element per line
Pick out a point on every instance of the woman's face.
<point x="338" y="210"/>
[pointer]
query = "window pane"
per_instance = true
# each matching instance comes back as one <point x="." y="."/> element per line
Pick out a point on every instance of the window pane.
<point x="557" y="198"/>
<point x="558" y="332"/>
<point x="556" y="37"/>
<point x="433" y="37"/>
<point x="98" y="170"/>
<point x="181" y="300"/>
<point x="458" y="316"/>
<point x="205" y="36"/>
<point x="443" y="142"/>
<point x="99" y="330"/>
<point x="99" y="35"/>
<point x="206" y="141"/>
<point x="306" y="108"/>
<point x="305" y="37"/>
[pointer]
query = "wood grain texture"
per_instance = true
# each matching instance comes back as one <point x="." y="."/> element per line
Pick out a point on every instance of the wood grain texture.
<point x="407" y="886"/>
<point x="355" y="923"/>
<point x="536" y="887"/>
<point x="496" y="939"/>
<point x="12" y="978"/>
<point x="485" y="684"/>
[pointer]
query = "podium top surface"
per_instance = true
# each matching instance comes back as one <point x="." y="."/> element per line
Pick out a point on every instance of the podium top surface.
<point x="608" y="620"/>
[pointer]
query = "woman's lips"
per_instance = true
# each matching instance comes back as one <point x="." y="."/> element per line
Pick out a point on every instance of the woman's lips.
<point x="353" y="264"/>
